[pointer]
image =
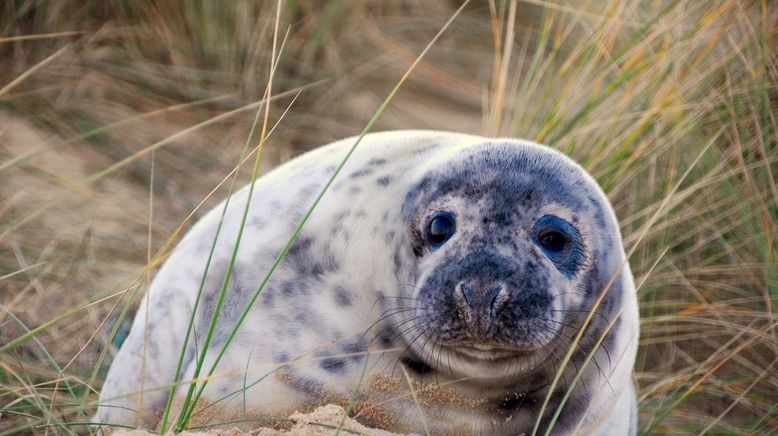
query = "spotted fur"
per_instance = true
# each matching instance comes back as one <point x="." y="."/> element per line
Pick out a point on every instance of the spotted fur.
<point x="479" y="323"/>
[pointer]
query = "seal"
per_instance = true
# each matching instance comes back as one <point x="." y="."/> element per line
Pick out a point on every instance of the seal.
<point x="445" y="282"/>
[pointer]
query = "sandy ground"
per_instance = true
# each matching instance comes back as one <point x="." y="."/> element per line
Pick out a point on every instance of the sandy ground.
<point x="322" y="421"/>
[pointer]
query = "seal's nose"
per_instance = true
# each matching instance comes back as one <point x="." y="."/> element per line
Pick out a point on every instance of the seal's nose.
<point x="479" y="304"/>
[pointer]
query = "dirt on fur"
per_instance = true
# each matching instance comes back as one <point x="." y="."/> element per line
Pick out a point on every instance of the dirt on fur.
<point x="323" y="421"/>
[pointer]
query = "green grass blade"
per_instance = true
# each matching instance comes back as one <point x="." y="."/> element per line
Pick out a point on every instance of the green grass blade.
<point x="318" y="198"/>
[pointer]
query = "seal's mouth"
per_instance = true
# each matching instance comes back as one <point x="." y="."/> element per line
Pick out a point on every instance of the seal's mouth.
<point x="493" y="346"/>
<point x="491" y="365"/>
<point x="486" y="347"/>
<point x="485" y="351"/>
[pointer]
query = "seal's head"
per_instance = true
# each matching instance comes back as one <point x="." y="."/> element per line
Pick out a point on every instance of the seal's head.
<point x="511" y="242"/>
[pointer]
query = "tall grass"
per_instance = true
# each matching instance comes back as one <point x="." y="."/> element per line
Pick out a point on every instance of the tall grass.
<point x="635" y="91"/>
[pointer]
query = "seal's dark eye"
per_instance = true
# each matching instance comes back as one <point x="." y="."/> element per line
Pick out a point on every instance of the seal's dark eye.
<point x="561" y="242"/>
<point x="441" y="228"/>
<point x="553" y="241"/>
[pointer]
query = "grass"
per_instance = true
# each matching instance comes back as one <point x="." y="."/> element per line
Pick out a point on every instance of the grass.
<point x="670" y="105"/>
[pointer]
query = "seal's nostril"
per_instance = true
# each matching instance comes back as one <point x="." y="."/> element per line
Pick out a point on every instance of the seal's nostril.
<point x="462" y="302"/>
<point x="475" y="302"/>
<point x="463" y="298"/>
<point x="500" y="298"/>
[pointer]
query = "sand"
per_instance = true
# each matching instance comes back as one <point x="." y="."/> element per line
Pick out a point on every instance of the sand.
<point x="322" y="421"/>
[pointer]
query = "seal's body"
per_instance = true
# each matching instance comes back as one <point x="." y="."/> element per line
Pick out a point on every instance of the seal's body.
<point x="443" y="276"/>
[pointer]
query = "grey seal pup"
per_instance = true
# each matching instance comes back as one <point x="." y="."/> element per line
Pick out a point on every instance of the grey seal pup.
<point x="447" y="283"/>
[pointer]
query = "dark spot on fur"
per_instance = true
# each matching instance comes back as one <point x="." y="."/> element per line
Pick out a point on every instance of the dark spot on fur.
<point x="280" y="318"/>
<point x="308" y="191"/>
<point x="307" y="263"/>
<point x="288" y="288"/>
<point x="384" y="181"/>
<point x="208" y="302"/>
<point x="354" y="190"/>
<point x="268" y="298"/>
<point x="397" y="260"/>
<point x="222" y="391"/>
<point x="258" y="222"/>
<point x="337" y="227"/>
<point x="361" y="173"/>
<point x="416" y="366"/>
<point x="340" y="216"/>
<point x="342" y="296"/>
<point x="386" y="338"/>
<point x="528" y="196"/>
<point x="334" y="365"/>
<point x="599" y="215"/>
<point x="376" y="162"/>
<point x="307" y="385"/>
<point x="300" y="246"/>
<point x="356" y="349"/>
<point x="425" y="149"/>
<point x="317" y="269"/>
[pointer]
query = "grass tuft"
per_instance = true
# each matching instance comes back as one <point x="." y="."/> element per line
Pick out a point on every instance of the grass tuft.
<point x="670" y="105"/>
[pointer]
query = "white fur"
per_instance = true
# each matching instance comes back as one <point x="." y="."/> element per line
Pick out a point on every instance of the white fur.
<point x="279" y="201"/>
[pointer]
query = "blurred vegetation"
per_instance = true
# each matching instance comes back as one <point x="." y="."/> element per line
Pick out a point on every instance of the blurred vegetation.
<point x="671" y="105"/>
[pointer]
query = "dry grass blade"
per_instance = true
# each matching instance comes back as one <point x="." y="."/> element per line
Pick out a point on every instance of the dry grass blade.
<point x="670" y="105"/>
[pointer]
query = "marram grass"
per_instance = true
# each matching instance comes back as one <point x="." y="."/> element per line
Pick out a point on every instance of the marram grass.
<point x="670" y="105"/>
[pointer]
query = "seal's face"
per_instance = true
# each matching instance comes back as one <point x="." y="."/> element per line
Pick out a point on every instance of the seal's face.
<point x="501" y="253"/>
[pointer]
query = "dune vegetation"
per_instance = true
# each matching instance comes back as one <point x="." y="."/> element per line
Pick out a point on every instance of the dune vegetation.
<point x="122" y="122"/>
